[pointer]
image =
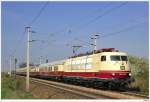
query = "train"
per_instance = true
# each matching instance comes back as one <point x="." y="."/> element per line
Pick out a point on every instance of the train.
<point x="104" y="67"/>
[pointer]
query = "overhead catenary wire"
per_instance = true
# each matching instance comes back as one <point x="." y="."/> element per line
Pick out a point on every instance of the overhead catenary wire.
<point x="85" y="42"/>
<point x="19" y="41"/>
<point x="120" y="24"/>
<point x="47" y="43"/>
<point x="78" y="25"/>
<point x="94" y="19"/>
<point x="34" y="19"/>
<point x="101" y="15"/>
<point x="115" y="33"/>
<point x="38" y="14"/>
<point x="23" y="34"/>
<point x="62" y="31"/>
<point x="107" y="12"/>
<point x="110" y="10"/>
<point x="123" y="30"/>
<point x="132" y="19"/>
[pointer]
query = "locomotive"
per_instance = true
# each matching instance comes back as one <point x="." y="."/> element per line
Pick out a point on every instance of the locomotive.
<point x="104" y="67"/>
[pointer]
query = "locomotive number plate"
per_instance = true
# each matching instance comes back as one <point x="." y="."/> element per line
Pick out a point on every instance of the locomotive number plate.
<point x="122" y="67"/>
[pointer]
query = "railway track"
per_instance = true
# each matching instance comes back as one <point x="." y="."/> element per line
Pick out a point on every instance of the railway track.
<point x="135" y="94"/>
<point x="89" y="92"/>
<point x="68" y="89"/>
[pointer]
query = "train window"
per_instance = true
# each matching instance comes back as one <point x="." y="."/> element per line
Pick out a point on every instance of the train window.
<point x="78" y="62"/>
<point x="115" y="58"/>
<point x="55" y="68"/>
<point x="50" y="68"/>
<point x="124" y="58"/>
<point x="103" y="58"/>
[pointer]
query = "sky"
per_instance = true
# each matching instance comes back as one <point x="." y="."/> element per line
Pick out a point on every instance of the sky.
<point x="60" y="25"/>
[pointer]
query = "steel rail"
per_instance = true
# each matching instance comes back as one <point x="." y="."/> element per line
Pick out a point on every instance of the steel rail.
<point x="135" y="94"/>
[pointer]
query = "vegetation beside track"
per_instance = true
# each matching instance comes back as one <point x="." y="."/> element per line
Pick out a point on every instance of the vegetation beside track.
<point x="12" y="88"/>
<point x="140" y="73"/>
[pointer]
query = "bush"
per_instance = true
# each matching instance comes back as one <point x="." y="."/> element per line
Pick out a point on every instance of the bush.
<point x="140" y="73"/>
<point x="7" y="75"/>
<point x="13" y="88"/>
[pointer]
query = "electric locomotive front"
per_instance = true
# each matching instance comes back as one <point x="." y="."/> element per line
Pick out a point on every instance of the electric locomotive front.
<point x="114" y="68"/>
<point x="114" y="65"/>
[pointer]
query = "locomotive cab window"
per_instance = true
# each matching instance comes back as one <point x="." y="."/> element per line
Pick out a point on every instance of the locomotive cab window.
<point x="103" y="58"/>
<point x="115" y="58"/>
<point x="124" y="58"/>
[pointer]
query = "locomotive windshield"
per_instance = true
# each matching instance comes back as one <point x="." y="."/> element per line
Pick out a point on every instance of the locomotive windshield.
<point x="115" y="58"/>
<point x="124" y="58"/>
<point x="118" y="58"/>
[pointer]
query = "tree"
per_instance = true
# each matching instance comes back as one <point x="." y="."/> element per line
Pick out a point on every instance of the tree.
<point x="140" y="73"/>
<point x="24" y="64"/>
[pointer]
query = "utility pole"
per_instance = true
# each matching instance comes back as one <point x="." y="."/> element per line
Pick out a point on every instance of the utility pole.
<point x="15" y="66"/>
<point x="28" y="59"/>
<point x="40" y="60"/>
<point x="10" y="66"/>
<point x="28" y="28"/>
<point x="95" y="36"/>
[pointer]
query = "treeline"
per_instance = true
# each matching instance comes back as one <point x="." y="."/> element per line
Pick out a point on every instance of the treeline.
<point x="24" y="64"/>
<point x="140" y="73"/>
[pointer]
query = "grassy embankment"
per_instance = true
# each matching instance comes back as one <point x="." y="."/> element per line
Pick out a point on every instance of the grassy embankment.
<point x="140" y="73"/>
<point x="12" y="88"/>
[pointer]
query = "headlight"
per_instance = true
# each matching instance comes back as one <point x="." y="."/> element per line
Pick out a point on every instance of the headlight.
<point x="113" y="74"/>
<point x="129" y="74"/>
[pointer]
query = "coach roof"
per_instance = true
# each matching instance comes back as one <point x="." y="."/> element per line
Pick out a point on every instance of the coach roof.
<point x="53" y="63"/>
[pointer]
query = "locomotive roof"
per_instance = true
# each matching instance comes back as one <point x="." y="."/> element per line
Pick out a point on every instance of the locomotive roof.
<point x="114" y="53"/>
<point x="53" y="63"/>
<point x="95" y="52"/>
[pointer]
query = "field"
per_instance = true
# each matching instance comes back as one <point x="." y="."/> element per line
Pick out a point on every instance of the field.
<point x="12" y="88"/>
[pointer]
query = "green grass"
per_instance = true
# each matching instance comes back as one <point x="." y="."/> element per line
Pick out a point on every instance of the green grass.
<point x="12" y="88"/>
<point x="140" y="73"/>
